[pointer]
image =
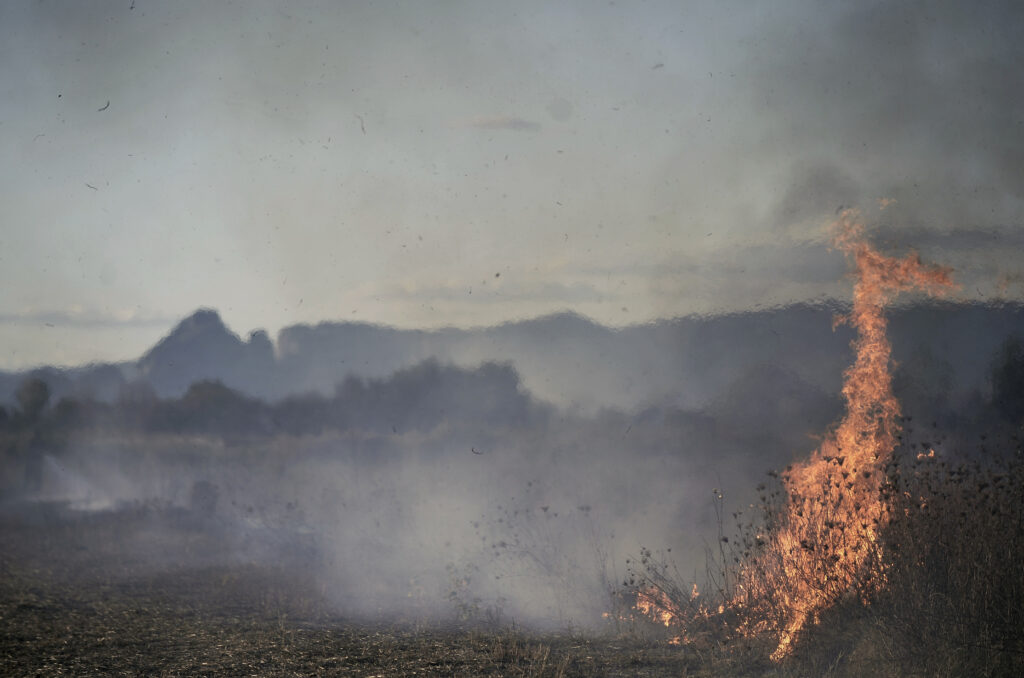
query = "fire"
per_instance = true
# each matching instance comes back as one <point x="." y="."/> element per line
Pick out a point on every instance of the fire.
<point x="825" y="545"/>
<point x="657" y="606"/>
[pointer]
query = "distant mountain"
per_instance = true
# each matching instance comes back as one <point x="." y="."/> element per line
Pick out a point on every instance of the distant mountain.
<point x="570" y="360"/>
<point x="201" y="347"/>
<point x="316" y="358"/>
<point x="565" y="355"/>
<point x="692" y="362"/>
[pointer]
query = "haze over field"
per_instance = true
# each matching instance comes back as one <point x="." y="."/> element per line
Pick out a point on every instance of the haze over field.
<point x="450" y="311"/>
<point x="408" y="478"/>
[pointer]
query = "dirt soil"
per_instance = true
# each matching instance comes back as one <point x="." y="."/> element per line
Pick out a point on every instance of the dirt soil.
<point x="142" y="591"/>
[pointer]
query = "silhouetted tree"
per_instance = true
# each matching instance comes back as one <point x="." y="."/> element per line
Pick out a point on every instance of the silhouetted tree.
<point x="427" y="394"/>
<point x="1008" y="380"/>
<point x="137" y="405"/>
<point x="32" y="395"/>
<point x="69" y="414"/>
<point x="212" y="407"/>
<point x="303" y="414"/>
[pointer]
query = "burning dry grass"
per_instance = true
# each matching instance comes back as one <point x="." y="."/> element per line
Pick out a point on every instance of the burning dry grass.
<point x="948" y="601"/>
<point x="930" y="559"/>
<point x="822" y="546"/>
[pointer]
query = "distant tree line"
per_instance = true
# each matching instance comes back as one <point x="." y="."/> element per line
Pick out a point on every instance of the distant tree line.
<point x="423" y="397"/>
<point x="419" y="398"/>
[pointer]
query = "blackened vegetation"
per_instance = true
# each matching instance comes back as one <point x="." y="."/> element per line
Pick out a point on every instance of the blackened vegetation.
<point x="1008" y="380"/>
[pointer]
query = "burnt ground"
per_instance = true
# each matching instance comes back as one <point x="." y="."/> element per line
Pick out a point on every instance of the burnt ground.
<point x="142" y="591"/>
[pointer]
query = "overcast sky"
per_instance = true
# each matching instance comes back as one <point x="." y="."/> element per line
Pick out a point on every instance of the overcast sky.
<point x="466" y="163"/>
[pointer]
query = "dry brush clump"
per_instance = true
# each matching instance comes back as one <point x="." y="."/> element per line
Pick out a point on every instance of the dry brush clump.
<point x="954" y="549"/>
<point x="921" y="562"/>
<point x="818" y="542"/>
<point x="943" y="593"/>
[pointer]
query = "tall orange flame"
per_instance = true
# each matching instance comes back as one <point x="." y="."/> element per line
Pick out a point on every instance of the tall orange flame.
<point x="825" y="545"/>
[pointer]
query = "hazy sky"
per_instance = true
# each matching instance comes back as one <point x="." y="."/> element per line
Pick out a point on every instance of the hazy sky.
<point x="466" y="163"/>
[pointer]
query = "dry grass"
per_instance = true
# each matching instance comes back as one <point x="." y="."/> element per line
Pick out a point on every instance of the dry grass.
<point x="945" y="596"/>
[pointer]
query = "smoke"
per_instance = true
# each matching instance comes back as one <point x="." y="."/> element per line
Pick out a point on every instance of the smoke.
<point x="532" y="525"/>
<point x="913" y="101"/>
<point x="447" y="493"/>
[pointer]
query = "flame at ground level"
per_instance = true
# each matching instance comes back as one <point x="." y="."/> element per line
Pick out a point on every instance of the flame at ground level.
<point x="824" y="545"/>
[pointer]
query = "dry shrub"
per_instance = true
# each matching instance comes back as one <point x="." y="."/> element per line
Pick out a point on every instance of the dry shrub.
<point x="954" y="555"/>
<point x="943" y="595"/>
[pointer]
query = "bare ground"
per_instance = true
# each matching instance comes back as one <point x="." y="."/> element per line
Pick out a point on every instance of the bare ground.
<point x="79" y="596"/>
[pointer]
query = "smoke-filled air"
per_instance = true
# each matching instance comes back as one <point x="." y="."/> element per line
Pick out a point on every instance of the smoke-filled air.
<point x="484" y="338"/>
